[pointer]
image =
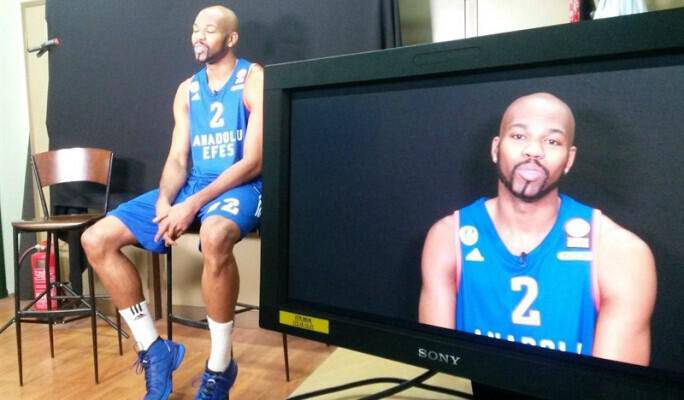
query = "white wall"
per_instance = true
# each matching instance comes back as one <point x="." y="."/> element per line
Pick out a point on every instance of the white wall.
<point x="450" y="20"/>
<point x="497" y="16"/>
<point x="14" y="126"/>
<point x="456" y="19"/>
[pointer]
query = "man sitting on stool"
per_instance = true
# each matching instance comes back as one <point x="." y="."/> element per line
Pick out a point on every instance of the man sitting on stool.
<point x="218" y="122"/>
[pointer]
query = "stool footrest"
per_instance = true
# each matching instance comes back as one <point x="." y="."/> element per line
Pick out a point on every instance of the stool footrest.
<point x="53" y="314"/>
<point x="201" y="324"/>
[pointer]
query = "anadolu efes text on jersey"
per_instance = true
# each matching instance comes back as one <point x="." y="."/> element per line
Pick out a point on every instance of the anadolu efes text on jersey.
<point x="544" y="298"/>
<point x="218" y="122"/>
<point x="218" y="145"/>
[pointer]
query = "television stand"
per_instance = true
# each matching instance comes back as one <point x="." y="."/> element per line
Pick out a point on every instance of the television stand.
<point x="401" y="385"/>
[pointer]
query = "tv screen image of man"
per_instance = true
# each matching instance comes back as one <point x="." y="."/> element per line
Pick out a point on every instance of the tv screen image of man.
<point x="218" y="125"/>
<point x="533" y="265"/>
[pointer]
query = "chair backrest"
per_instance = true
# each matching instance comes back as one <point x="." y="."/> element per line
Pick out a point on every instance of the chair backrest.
<point x="73" y="165"/>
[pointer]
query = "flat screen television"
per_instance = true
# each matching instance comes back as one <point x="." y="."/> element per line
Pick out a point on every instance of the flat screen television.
<point x="364" y="153"/>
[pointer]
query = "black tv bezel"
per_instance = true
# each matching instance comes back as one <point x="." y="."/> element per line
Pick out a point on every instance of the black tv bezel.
<point x="537" y="373"/>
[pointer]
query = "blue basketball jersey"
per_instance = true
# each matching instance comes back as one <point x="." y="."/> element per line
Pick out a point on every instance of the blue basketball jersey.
<point x="218" y="122"/>
<point x="543" y="298"/>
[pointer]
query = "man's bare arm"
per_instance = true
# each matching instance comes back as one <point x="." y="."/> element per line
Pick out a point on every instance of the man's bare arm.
<point x="175" y="170"/>
<point x="627" y="286"/>
<point x="440" y="275"/>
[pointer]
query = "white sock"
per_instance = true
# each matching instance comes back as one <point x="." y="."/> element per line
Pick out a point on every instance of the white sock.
<point x="142" y="326"/>
<point x="220" y="333"/>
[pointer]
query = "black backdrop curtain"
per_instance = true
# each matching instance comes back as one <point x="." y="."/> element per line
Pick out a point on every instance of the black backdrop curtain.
<point x="113" y="80"/>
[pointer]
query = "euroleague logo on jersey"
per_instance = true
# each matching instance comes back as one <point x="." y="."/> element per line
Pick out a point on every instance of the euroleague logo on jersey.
<point x="194" y="87"/>
<point x="194" y="90"/>
<point x="468" y="235"/>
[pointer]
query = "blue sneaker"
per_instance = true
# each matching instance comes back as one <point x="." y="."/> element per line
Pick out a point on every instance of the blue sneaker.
<point x="216" y="385"/>
<point x="159" y="362"/>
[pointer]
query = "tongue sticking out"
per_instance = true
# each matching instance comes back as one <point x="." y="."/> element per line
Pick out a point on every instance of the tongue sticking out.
<point x="530" y="173"/>
<point x="200" y="52"/>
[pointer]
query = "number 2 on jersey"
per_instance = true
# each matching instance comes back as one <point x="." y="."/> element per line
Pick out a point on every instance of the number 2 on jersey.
<point x="523" y="314"/>
<point x="217" y="120"/>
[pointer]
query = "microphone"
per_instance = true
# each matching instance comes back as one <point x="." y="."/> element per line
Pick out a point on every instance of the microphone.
<point x="45" y="46"/>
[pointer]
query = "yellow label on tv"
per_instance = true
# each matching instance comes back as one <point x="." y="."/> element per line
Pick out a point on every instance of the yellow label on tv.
<point x="305" y="322"/>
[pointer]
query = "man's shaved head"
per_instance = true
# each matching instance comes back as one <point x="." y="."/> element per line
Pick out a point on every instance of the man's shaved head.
<point x="544" y="103"/>
<point x="226" y="17"/>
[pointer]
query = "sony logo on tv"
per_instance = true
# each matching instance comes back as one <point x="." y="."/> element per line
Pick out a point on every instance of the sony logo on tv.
<point x="437" y="356"/>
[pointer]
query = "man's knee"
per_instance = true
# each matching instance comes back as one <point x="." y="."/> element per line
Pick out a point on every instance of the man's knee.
<point x="218" y="235"/>
<point x="105" y="235"/>
<point x="92" y="239"/>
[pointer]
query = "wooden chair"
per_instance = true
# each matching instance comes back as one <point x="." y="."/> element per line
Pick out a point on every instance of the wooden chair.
<point x="51" y="168"/>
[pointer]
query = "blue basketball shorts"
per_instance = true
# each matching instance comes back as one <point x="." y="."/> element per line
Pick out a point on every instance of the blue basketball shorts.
<point x="241" y="205"/>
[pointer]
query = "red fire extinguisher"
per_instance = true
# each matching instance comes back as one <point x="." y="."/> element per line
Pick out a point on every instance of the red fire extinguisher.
<point x="38" y="273"/>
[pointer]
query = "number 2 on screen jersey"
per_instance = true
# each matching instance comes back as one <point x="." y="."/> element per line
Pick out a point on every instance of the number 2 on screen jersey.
<point x="523" y="314"/>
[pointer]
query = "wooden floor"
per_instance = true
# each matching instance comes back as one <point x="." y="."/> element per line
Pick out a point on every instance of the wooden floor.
<point x="345" y="366"/>
<point x="70" y="374"/>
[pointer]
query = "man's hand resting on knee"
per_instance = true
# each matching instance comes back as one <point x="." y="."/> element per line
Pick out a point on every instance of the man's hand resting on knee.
<point x="173" y="221"/>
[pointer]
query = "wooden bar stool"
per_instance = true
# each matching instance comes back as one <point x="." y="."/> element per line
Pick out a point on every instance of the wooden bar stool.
<point x="51" y="168"/>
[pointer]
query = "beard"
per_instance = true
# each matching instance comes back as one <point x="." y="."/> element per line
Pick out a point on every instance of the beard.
<point x="545" y="188"/>
<point x="204" y="55"/>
